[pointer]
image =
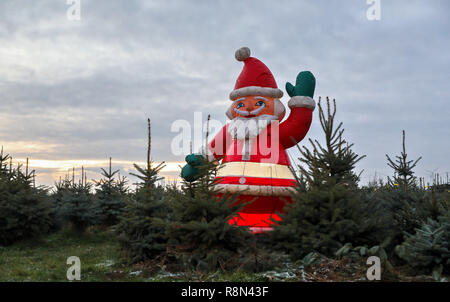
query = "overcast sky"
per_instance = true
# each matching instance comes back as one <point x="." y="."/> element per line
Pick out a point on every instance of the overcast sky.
<point x="73" y="91"/>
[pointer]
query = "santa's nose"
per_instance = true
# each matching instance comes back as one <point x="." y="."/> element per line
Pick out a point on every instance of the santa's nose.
<point x="250" y="107"/>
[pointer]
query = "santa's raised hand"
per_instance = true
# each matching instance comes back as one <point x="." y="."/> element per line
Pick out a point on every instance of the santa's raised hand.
<point x="304" y="85"/>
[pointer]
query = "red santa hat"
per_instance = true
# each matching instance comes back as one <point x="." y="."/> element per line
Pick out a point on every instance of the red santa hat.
<point x="255" y="78"/>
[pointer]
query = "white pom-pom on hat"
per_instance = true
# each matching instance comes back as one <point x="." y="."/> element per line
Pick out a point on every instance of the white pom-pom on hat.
<point x="242" y="54"/>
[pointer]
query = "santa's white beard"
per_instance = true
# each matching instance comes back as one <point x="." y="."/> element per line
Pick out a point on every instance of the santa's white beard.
<point x="249" y="127"/>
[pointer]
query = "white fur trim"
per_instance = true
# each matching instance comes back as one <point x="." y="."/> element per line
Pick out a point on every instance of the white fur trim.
<point x="242" y="54"/>
<point x="256" y="90"/>
<point x="255" y="169"/>
<point x="255" y="190"/>
<point x="229" y="113"/>
<point x="302" y="101"/>
<point x="279" y="109"/>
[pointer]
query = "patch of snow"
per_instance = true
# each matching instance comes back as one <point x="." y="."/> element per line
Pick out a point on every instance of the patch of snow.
<point x="105" y="264"/>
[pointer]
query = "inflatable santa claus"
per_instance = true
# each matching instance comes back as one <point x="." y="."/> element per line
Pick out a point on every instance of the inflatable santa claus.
<point x="252" y="146"/>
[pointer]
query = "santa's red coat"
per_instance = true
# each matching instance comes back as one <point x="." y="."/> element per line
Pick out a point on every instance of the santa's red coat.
<point x="260" y="167"/>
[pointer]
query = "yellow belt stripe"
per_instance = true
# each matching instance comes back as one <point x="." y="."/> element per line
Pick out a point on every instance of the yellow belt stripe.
<point x="251" y="169"/>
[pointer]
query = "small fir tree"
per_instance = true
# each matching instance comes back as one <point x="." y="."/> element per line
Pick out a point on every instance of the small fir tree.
<point x="110" y="196"/>
<point x="404" y="175"/>
<point x="142" y="229"/>
<point x="335" y="159"/>
<point x="74" y="204"/>
<point x="408" y="204"/>
<point x="429" y="248"/>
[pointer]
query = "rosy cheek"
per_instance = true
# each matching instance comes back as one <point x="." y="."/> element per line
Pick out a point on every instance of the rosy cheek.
<point x="242" y="108"/>
<point x="267" y="110"/>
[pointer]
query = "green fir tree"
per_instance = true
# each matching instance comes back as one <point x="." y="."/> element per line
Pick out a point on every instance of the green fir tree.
<point x="110" y="196"/>
<point x="327" y="210"/>
<point x="404" y="175"/>
<point x="429" y="248"/>
<point x="24" y="208"/>
<point x="142" y="228"/>
<point x="408" y="204"/>
<point x="74" y="204"/>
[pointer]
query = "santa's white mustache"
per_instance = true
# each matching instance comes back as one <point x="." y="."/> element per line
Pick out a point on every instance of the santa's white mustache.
<point x="253" y="112"/>
<point x="249" y="127"/>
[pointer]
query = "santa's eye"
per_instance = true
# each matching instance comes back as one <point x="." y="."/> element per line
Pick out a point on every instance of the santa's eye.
<point x="260" y="103"/>
<point x="240" y="105"/>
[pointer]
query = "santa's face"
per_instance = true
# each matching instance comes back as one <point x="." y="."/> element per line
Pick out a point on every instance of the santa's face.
<point x="252" y="106"/>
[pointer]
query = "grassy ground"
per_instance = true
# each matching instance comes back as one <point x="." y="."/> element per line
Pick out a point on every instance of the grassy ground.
<point x="46" y="260"/>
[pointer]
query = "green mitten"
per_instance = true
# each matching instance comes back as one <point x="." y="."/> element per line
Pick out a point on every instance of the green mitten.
<point x="191" y="172"/>
<point x="304" y="85"/>
<point x="194" y="159"/>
